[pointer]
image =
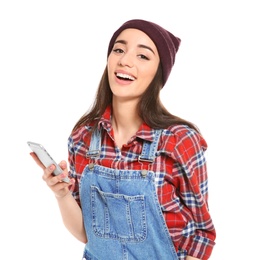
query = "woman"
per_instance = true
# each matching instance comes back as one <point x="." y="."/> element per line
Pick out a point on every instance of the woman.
<point x="138" y="186"/>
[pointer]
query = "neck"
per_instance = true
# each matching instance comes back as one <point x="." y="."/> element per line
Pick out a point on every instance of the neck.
<point x="125" y="121"/>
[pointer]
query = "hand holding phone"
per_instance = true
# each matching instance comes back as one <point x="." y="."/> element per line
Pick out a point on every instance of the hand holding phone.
<point x="45" y="158"/>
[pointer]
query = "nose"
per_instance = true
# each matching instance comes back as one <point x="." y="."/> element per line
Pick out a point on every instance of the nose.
<point x="126" y="60"/>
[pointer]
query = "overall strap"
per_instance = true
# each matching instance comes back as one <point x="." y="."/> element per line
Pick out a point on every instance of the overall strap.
<point x="95" y="144"/>
<point x="150" y="148"/>
<point x="147" y="154"/>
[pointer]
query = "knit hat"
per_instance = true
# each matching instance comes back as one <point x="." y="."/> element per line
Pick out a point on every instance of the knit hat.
<point x="167" y="44"/>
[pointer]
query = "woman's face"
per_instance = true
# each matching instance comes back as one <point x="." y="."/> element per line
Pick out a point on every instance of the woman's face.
<point x="132" y="64"/>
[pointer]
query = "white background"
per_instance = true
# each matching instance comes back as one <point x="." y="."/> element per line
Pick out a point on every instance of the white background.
<point x="52" y="55"/>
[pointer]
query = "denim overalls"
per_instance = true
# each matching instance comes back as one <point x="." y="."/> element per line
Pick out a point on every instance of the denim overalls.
<point x="122" y="215"/>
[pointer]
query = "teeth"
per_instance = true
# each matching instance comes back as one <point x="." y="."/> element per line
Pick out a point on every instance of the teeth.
<point x="125" y="76"/>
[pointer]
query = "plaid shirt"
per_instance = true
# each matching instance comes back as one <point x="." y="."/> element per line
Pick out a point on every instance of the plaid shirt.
<point x="181" y="178"/>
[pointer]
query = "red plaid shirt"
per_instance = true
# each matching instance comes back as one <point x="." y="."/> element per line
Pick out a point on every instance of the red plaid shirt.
<point x="181" y="178"/>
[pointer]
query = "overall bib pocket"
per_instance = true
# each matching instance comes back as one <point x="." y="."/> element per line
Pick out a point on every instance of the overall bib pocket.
<point x="118" y="216"/>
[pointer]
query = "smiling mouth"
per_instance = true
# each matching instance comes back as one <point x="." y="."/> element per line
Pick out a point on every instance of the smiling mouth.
<point x="124" y="77"/>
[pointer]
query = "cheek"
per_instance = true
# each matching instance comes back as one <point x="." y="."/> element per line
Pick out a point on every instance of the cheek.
<point x="110" y="65"/>
<point x="150" y="70"/>
<point x="149" y="75"/>
<point x="111" y="75"/>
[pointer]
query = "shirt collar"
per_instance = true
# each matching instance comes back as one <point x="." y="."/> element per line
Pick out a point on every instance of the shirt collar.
<point x="144" y="132"/>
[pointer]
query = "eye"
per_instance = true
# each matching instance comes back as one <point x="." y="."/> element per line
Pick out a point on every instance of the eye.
<point x="118" y="50"/>
<point x="143" y="57"/>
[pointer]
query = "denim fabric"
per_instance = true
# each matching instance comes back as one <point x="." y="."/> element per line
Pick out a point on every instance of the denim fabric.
<point x="122" y="215"/>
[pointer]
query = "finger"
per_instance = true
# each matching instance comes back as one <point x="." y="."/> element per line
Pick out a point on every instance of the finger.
<point x="48" y="173"/>
<point x="56" y="182"/>
<point x="61" y="189"/>
<point x="59" y="184"/>
<point x="63" y="165"/>
<point x="51" y="178"/>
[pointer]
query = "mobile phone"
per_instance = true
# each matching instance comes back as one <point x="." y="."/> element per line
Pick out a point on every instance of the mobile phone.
<point x="45" y="158"/>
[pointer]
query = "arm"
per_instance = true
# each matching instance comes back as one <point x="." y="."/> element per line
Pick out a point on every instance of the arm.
<point x="72" y="216"/>
<point x="69" y="209"/>
<point x="191" y="171"/>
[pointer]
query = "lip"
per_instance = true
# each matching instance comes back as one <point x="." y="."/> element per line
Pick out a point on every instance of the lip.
<point x="127" y="77"/>
<point x="123" y="82"/>
<point x="125" y="73"/>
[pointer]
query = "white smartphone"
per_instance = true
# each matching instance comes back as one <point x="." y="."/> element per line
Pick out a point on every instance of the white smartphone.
<point x="45" y="158"/>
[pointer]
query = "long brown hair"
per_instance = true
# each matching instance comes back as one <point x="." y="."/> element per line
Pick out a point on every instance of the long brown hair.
<point x="150" y="108"/>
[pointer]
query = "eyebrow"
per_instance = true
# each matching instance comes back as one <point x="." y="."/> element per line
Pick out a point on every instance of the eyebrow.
<point x="139" y="45"/>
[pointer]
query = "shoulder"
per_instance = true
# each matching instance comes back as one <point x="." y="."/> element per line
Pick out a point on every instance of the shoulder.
<point x="79" y="140"/>
<point x="179" y="139"/>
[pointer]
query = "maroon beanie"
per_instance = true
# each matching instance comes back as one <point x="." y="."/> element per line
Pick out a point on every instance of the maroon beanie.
<point x="167" y="44"/>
